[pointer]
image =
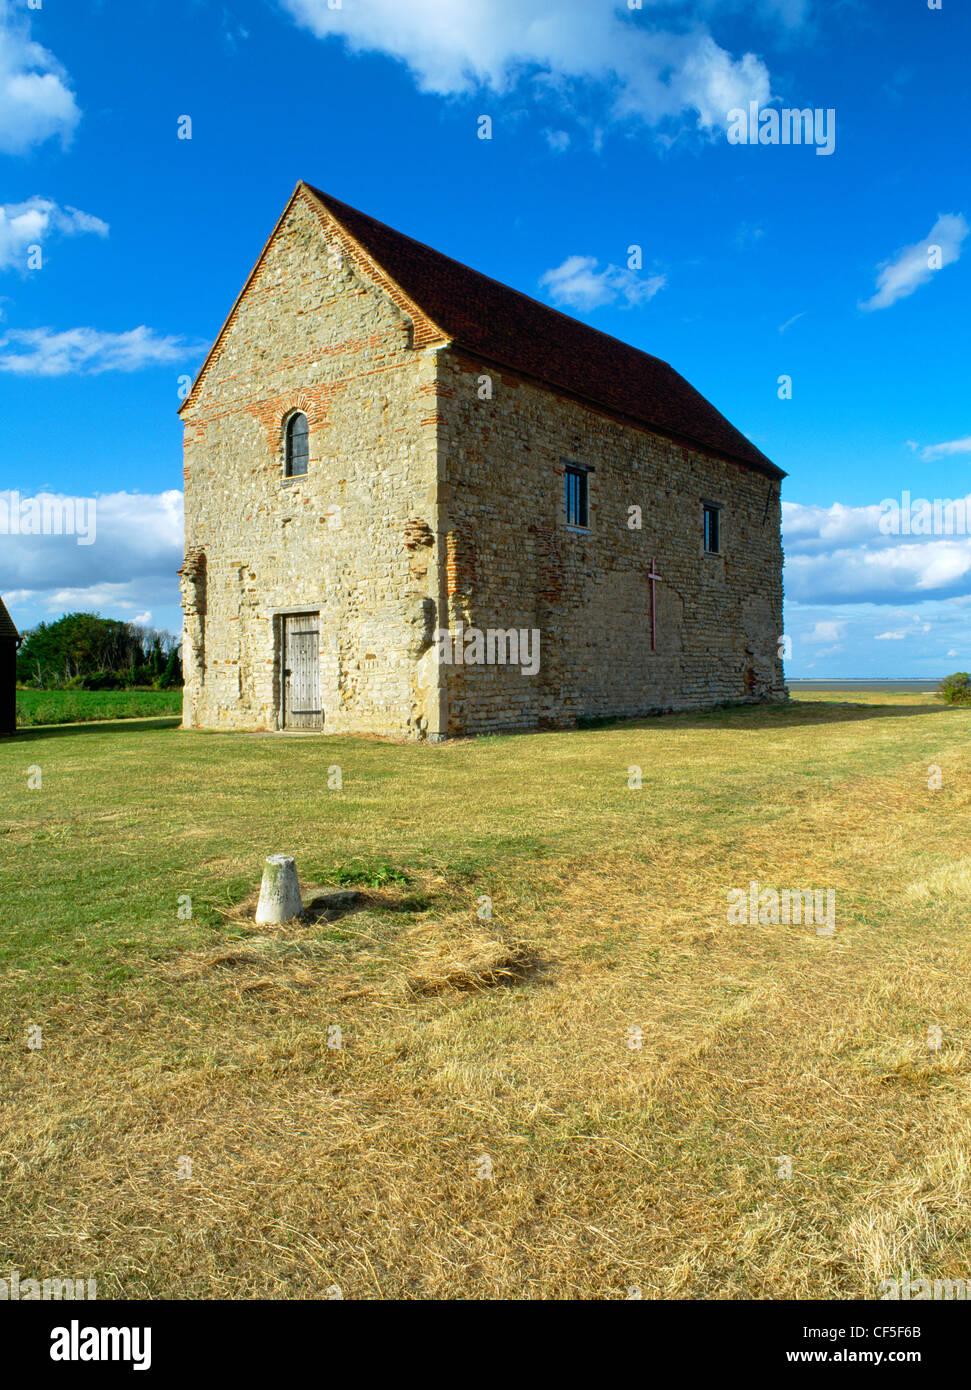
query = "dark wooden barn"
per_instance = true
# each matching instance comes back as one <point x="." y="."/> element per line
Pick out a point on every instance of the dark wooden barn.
<point x="9" y="642"/>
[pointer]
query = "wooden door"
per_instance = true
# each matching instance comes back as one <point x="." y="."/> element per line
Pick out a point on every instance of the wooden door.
<point x="301" y="671"/>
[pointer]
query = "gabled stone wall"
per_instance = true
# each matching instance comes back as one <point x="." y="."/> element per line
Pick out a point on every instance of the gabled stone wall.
<point x="434" y="498"/>
<point x="312" y="332"/>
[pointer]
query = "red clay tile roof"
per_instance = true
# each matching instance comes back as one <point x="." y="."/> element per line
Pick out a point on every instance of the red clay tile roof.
<point x="7" y="628"/>
<point x="495" y="322"/>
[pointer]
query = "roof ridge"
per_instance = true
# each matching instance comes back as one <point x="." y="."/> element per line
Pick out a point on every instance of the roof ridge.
<point x="502" y="284"/>
<point x="504" y="325"/>
<point x="449" y="302"/>
<point x="376" y="269"/>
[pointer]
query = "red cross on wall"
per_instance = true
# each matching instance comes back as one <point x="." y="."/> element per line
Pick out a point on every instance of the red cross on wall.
<point x="653" y="576"/>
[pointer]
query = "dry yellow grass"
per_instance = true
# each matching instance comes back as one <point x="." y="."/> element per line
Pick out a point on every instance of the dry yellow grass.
<point x="491" y="1124"/>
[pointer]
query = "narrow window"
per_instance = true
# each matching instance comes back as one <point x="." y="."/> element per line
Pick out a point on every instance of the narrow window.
<point x="712" y="530"/>
<point x="298" y="446"/>
<point x="575" y="480"/>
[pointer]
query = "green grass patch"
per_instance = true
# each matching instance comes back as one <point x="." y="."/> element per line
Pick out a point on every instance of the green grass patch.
<point x="360" y="874"/>
<point x="38" y="707"/>
<point x="538" y="967"/>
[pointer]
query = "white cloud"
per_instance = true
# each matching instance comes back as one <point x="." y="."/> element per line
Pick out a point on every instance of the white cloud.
<point x="881" y="575"/>
<point x="36" y="101"/>
<point x="838" y="554"/>
<point x="233" y="33"/>
<point x="876" y="639"/>
<point x="578" y="284"/>
<point x="911" y="266"/>
<point x="873" y="645"/>
<point x="460" y="46"/>
<point x="940" y="451"/>
<point x="795" y="319"/>
<point x="33" y="222"/>
<point x="88" y="351"/>
<point x="558" y="140"/>
<point x="815" y="529"/>
<point x="138" y="540"/>
<point x="129" y="572"/>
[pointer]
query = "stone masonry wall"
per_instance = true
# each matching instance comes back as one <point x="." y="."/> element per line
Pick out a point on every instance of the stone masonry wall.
<point x="315" y="332"/>
<point x="511" y="561"/>
<point x="430" y="502"/>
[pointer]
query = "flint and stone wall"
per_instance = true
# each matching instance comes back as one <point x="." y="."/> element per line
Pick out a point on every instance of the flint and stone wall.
<point x="718" y="618"/>
<point x="428" y="504"/>
<point x="311" y="333"/>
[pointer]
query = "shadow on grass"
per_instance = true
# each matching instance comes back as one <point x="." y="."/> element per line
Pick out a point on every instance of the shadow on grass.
<point x="135" y="725"/>
<point x="794" y="713"/>
<point x="328" y="906"/>
<point x="325" y="905"/>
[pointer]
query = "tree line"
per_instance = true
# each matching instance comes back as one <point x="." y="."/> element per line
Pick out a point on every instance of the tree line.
<point x="88" y="652"/>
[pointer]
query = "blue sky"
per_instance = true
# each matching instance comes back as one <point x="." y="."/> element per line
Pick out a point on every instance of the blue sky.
<point x="609" y="129"/>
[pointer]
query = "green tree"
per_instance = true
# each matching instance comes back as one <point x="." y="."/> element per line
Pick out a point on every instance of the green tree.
<point x="172" y="675"/>
<point x="956" y="689"/>
<point x="156" y="656"/>
<point x="85" y="644"/>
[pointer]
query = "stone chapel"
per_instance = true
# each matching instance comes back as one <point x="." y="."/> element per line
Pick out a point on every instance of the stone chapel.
<point x="421" y="504"/>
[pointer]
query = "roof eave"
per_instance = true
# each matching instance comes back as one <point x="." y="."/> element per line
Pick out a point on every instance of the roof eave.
<point x="768" y="469"/>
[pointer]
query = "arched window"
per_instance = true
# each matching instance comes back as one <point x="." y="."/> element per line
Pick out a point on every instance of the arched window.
<point x="298" y="446"/>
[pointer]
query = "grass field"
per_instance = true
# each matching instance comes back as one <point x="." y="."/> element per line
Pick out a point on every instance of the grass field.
<point x="492" y="1123"/>
<point x="36" y="707"/>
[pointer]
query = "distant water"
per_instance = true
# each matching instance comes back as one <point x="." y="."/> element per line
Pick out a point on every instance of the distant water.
<point x="908" y="686"/>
